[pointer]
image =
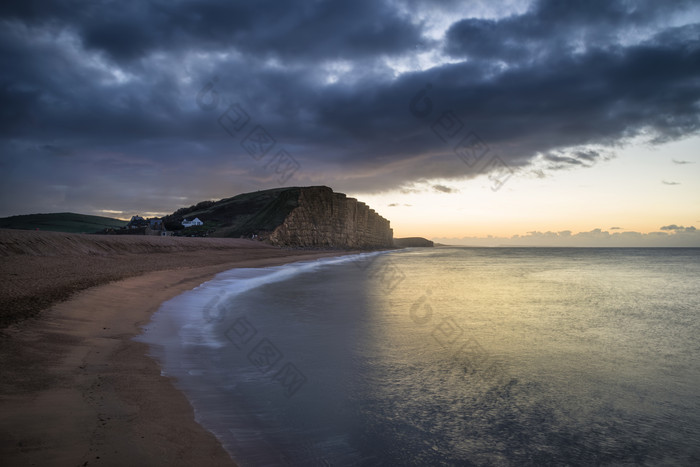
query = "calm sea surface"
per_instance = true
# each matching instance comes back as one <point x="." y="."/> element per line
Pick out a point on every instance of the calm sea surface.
<point x="446" y="356"/>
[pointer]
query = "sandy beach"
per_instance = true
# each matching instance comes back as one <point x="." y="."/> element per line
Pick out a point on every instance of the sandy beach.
<point x="75" y="388"/>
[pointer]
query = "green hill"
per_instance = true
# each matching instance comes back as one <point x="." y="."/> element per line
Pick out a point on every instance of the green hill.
<point x="240" y="215"/>
<point x="61" y="222"/>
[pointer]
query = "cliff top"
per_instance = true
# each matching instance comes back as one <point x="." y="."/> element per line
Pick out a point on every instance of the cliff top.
<point x="247" y="213"/>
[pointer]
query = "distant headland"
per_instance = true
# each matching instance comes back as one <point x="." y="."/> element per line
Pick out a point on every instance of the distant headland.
<point x="413" y="242"/>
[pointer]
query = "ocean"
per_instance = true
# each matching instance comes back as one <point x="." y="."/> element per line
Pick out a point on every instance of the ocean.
<point x="446" y="356"/>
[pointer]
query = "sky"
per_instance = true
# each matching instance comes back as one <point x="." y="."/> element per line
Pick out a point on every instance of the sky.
<point x="487" y="123"/>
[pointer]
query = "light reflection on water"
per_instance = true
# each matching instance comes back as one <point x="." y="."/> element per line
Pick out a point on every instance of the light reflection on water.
<point x="477" y="356"/>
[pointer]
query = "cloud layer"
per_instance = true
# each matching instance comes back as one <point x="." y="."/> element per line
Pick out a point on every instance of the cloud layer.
<point x="688" y="237"/>
<point x="100" y="104"/>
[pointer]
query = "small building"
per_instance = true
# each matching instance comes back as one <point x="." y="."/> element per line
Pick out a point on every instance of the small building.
<point x="137" y="222"/>
<point x="155" y="223"/>
<point x="192" y="223"/>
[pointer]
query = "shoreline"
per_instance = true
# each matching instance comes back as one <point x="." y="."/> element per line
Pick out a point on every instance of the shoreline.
<point x="78" y="390"/>
<point x="40" y="269"/>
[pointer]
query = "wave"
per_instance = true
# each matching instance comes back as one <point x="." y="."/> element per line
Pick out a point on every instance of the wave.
<point x="192" y="318"/>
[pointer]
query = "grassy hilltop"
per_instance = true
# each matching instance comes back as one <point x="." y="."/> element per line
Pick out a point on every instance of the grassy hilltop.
<point x="240" y="215"/>
<point x="60" y="222"/>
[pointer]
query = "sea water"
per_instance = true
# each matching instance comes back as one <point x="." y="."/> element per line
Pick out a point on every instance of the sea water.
<point x="446" y="356"/>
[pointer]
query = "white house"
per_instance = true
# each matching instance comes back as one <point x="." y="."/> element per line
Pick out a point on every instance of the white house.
<point x="191" y="223"/>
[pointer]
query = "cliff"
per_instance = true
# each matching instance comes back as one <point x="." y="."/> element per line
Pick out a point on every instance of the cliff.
<point x="412" y="242"/>
<point x="298" y="216"/>
<point x="323" y="218"/>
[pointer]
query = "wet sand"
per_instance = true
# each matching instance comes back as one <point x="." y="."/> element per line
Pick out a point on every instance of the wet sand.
<point x="75" y="388"/>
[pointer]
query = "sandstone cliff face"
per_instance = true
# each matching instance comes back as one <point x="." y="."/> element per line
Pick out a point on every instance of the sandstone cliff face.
<point x="323" y="218"/>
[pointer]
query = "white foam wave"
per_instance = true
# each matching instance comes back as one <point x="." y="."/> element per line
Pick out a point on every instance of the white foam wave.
<point x="190" y="319"/>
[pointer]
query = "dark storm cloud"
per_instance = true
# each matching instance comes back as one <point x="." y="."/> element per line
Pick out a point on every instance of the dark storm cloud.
<point x="679" y="228"/>
<point x="444" y="189"/>
<point x="291" y="29"/>
<point x="553" y="27"/>
<point x="563" y="159"/>
<point x="103" y="95"/>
